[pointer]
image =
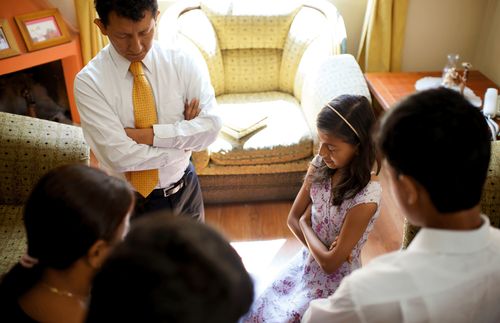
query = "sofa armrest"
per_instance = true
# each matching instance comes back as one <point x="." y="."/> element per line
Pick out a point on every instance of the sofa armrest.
<point x="333" y="76"/>
<point x="490" y="199"/>
<point x="29" y="147"/>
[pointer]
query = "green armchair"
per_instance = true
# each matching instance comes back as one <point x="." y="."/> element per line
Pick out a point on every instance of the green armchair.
<point x="29" y="147"/>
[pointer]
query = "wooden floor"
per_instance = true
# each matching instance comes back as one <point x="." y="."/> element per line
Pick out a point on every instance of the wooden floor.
<point x="259" y="228"/>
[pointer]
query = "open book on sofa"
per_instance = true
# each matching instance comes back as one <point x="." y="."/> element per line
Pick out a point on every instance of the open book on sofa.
<point x="238" y="125"/>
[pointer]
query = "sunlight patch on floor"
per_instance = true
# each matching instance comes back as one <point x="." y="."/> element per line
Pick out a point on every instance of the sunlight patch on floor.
<point x="257" y="257"/>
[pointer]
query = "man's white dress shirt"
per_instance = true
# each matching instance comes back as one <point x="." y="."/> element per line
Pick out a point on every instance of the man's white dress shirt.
<point x="103" y="92"/>
<point x="443" y="276"/>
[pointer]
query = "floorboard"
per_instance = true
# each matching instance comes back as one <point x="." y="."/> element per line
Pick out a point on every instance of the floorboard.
<point x="259" y="233"/>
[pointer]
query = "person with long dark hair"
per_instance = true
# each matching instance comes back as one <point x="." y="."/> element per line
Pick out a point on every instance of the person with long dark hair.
<point x="332" y="214"/>
<point x="435" y="148"/>
<point x="73" y="217"/>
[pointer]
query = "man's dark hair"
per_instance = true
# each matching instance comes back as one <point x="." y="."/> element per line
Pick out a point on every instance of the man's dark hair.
<point x="171" y="269"/>
<point x="131" y="9"/>
<point x="438" y="138"/>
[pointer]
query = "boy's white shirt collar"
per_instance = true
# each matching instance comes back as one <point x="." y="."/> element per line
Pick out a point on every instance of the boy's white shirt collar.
<point x="452" y="241"/>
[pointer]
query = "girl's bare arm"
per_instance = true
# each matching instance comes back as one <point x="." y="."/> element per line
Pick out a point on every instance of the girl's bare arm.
<point x="301" y="205"/>
<point x="355" y="224"/>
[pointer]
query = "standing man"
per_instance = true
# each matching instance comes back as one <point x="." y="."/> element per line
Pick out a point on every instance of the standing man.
<point x="436" y="149"/>
<point x="144" y="108"/>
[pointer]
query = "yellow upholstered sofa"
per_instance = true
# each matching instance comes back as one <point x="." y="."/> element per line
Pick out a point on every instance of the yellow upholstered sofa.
<point x="29" y="147"/>
<point x="280" y="59"/>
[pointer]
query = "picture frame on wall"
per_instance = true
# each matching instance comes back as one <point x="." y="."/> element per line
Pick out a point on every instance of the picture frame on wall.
<point x="43" y="29"/>
<point x="8" y="44"/>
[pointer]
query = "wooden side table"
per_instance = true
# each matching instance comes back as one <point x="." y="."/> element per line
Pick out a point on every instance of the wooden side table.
<point x="388" y="88"/>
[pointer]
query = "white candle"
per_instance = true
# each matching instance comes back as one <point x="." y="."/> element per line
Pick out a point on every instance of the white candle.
<point x="490" y="102"/>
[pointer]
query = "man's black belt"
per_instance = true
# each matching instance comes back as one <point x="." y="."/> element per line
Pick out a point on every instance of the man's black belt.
<point x="166" y="192"/>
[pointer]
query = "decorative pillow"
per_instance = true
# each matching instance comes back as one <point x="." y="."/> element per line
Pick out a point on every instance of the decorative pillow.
<point x="251" y="24"/>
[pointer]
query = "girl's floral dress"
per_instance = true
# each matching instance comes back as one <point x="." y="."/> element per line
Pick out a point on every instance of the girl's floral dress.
<point x="303" y="280"/>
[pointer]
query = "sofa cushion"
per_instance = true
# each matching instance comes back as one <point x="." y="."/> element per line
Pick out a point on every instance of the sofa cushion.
<point x="12" y="237"/>
<point x="251" y="24"/>
<point x="285" y="138"/>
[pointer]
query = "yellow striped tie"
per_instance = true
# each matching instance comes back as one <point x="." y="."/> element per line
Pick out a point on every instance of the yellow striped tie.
<point x="145" y="116"/>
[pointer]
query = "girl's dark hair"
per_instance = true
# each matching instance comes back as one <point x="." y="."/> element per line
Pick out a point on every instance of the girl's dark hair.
<point x="131" y="9"/>
<point x="69" y="209"/>
<point x="357" y="111"/>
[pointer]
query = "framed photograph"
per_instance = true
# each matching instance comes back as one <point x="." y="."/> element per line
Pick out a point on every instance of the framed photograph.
<point x="43" y="29"/>
<point x="8" y="45"/>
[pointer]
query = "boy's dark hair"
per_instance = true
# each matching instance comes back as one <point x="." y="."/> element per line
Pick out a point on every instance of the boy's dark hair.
<point x="69" y="209"/>
<point x="131" y="9"/>
<point x="171" y="269"/>
<point x="438" y="138"/>
<point x="356" y="109"/>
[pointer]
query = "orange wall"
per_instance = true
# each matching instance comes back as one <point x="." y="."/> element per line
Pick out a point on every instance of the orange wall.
<point x="11" y="8"/>
<point x="69" y="53"/>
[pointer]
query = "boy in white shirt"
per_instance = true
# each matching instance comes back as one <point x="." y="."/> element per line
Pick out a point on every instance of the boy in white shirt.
<point x="436" y="148"/>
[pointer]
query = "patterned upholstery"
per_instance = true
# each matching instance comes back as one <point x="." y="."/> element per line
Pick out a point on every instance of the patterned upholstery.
<point x="202" y="35"/>
<point x="490" y="200"/>
<point x="278" y="142"/>
<point x="29" y="147"/>
<point x="329" y="78"/>
<point x="250" y="24"/>
<point x="261" y="54"/>
<point x="251" y="70"/>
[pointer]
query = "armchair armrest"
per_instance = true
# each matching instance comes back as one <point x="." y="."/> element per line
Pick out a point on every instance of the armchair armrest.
<point x="333" y="76"/>
<point x="30" y="147"/>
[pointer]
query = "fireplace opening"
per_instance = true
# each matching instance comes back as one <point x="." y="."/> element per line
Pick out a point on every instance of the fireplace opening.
<point x="39" y="91"/>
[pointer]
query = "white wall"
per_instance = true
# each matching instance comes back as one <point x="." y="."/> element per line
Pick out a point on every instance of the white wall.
<point x="436" y="28"/>
<point x="353" y="12"/>
<point x="67" y="9"/>
<point x="487" y="56"/>
<point x="470" y="28"/>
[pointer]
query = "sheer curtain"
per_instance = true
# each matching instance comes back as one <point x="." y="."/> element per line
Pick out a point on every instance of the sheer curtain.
<point x="91" y="38"/>
<point x="382" y="36"/>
